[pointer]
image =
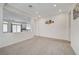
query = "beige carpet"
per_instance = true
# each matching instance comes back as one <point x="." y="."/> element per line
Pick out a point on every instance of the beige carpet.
<point x="39" y="46"/>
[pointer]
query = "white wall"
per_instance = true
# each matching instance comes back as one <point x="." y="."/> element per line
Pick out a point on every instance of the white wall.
<point x="75" y="35"/>
<point x="59" y="29"/>
<point x="11" y="38"/>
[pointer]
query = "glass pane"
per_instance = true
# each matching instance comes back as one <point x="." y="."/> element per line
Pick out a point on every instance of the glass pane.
<point x="5" y="28"/>
<point x="14" y="28"/>
<point x="28" y="26"/>
<point x="18" y="28"/>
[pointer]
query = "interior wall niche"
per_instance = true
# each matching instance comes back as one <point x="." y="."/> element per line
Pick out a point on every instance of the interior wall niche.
<point x="76" y="12"/>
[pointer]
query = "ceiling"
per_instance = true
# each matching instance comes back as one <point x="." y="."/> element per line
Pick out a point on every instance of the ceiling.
<point x="45" y="10"/>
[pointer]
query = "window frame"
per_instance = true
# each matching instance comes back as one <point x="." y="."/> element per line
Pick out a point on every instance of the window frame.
<point x="16" y="27"/>
<point x="3" y="27"/>
<point x="28" y="27"/>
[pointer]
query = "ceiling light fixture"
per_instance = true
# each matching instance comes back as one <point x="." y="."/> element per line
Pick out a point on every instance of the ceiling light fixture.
<point x="39" y="16"/>
<point x="49" y="22"/>
<point x="54" y="5"/>
<point x="60" y="10"/>
<point x="37" y="12"/>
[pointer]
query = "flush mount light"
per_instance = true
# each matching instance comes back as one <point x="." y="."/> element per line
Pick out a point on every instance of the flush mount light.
<point x="54" y="5"/>
<point x="60" y="10"/>
<point x="39" y="16"/>
<point x="53" y="18"/>
<point x="37" y="12"/>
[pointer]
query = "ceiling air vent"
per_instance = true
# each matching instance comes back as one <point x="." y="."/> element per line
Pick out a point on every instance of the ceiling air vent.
<point x="30" y="6"/>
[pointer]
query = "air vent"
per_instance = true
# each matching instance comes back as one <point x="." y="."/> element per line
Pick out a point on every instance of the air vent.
<point x="30" y="6"/>
<point x="5" y="4"/>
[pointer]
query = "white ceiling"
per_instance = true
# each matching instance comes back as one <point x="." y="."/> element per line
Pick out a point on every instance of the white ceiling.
<point x="43" y="9"/>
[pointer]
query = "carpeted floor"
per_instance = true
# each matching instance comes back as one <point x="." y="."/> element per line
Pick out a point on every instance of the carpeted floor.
<point x="39" y="46"/>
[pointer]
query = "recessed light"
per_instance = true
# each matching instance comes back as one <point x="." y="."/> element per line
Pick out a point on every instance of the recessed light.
<point x="60" y="10"/>
<point x="54" y="5"/>
<point x="53" y="18"/>
<point x="37" y="12"/>
<point x="39" y="16"/>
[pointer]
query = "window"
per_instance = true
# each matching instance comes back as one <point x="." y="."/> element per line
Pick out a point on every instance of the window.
<point x="5" y="27"/>
<point x="28" y="27"/>
<point x="16" y="28"/>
